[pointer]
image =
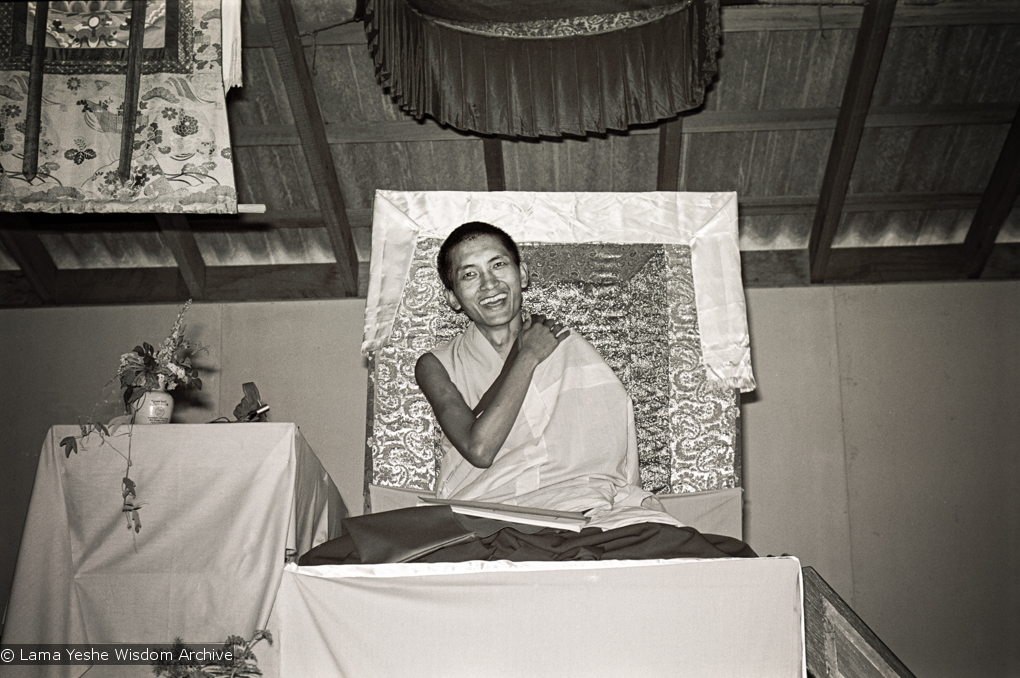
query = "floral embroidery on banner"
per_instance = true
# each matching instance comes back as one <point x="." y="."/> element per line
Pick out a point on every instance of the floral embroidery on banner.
<point x="181" y="155"/>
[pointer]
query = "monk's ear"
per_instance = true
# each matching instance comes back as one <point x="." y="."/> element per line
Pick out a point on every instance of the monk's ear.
<point x="452" y="300"/>
<point x="525" y="275"/>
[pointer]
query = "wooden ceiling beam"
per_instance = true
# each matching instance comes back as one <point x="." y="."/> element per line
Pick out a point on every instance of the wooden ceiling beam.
<point x="1004" y="263"/>
<point x="32" y="257"/>
<point x="17" y="292"/>
<point x="749" y="206"/>
<point x="122" y="286"/>
<point x="277" y="282"/>
<point x="868" y="50"/>
<point x="909" y="263"/>
<point x="257" y="35"/>
<point x="667" y="177"/>
<point x="858" y="202"/>
<point x="311" y="130"/>
<point x="774" y="268"/>
<point x="735" y="19"/>
<point x="996" y="204"/>
<point x="703" y="122"/>
<point x="270" y="219"/>
<point x="740" y="19"/>
<point x="869" y="265"/>
<point x="223" y="283"/>
<point x="177" y="235"/>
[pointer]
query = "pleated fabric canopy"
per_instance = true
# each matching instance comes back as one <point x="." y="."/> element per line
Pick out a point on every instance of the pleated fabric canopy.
<point x="544" y="68"/>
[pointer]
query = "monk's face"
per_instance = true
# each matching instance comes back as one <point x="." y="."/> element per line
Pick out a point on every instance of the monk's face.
<point x="487" y="283"/>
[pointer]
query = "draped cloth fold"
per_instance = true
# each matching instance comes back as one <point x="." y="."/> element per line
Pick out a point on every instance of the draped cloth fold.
<point x="544" y="86"/>
<point x="573" y="446"/>
<point x="479" y="539"/>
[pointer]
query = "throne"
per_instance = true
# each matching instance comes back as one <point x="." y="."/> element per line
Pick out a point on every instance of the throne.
<point x="652" y="280"/>
<point x="638" y="275"/>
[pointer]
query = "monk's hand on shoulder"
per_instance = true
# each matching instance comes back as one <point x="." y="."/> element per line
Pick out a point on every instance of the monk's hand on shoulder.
<point x="540" y="336"/>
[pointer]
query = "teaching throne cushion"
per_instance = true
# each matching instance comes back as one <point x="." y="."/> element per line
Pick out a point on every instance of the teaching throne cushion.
<point x="652" y="280"/>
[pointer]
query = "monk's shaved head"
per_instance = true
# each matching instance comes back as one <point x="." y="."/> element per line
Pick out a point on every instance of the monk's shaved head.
<point x="470" y="231"/>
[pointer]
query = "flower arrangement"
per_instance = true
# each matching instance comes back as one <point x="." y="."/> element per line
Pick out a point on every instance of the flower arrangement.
<point x="149" y="369"/>
<point x="144" y="369"/>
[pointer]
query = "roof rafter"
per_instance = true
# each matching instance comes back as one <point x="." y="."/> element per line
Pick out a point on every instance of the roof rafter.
<point x="495" y="174"/>
<point x="741" y="19"/>
<point x="178" y="236"/>
<point x="28" y="251"/>
<point x="868" y="50"/>
<point x="702" y="122"/>
<point x="304" y="104"/>
<point x="996" y="203"/>
<point x="893" y="264"/>
<point x="859" y="202"/>
<point x="670" y="146"/>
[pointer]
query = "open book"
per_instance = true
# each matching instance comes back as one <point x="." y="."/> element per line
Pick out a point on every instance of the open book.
<point x="563" y="520"/>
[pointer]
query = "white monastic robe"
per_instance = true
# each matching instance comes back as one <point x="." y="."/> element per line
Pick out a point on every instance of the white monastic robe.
<point x="573" y="446"/>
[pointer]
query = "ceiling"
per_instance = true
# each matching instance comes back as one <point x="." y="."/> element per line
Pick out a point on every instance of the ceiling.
<point x="866" y="145"/>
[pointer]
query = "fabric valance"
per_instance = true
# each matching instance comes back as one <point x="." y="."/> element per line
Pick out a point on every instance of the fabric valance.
<point x="545" y="77"/>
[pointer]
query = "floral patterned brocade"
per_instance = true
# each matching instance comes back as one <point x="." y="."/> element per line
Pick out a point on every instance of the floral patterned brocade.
<point x="181" y="160"/>
<point x="634" y="303"/>
<point x="559" y="28"/>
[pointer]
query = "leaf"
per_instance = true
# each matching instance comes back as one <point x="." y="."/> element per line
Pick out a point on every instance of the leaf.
<point x="102" y="429"/>
<point x="136" y="395"/>
<point x="198" y="383"/>
<point x="162" y="93"/>
<point x="70" y="444"/>
<point x="10" y="93"/>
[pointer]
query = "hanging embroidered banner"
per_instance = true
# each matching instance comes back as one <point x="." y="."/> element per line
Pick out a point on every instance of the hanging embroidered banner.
<point x="67" y="160"/>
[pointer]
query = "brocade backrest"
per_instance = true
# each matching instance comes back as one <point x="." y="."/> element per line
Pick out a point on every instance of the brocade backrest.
<point x="634" y="302"/>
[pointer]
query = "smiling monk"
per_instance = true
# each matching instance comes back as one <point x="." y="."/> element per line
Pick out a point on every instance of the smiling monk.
<point x="531" y="416"/>
<point x="531" y="413"/>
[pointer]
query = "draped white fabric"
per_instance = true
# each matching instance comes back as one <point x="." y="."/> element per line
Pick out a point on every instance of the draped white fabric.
<point x="695" y="618"/>
<point x="230" y="15"/>
<point x="220" y="505"/>
<point x="706" y="222"/>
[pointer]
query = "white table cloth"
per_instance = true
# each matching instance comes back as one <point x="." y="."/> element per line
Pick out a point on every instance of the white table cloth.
<point x="221" y="504"/>
<point x="678" y="617"/>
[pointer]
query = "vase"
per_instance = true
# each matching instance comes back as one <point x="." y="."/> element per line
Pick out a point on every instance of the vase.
<point x="155" y="407"/>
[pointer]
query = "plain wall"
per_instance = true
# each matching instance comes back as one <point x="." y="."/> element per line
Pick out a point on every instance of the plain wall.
<point x="881" y="446"/>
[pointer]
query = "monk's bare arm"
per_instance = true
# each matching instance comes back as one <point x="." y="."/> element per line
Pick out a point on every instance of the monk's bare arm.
<point x="478" y="435"/>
